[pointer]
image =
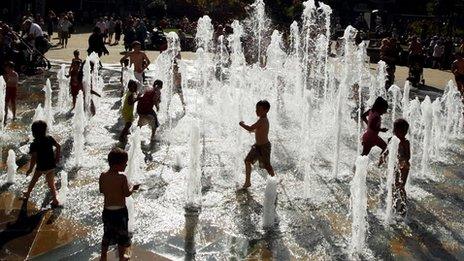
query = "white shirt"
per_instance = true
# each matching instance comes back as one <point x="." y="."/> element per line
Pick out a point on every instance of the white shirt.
<point x="438" y="51"/>
<point x="35" y="30"/>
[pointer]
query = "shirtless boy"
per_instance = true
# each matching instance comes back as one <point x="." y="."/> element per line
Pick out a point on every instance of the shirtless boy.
<point x="458" y="70"/>
<point x="261" y="151"/>
<point x="139" y="59"/>
<point x="11" y="79"/>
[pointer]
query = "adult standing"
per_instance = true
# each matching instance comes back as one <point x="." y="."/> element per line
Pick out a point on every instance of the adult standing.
<point x="96" y="43"/>
<point x="111" y="28"/>
<point x="64" y="24"/>
<point x="388" y="54"/>
<point x="117" y="31"/>
<point x="50" y="24"/>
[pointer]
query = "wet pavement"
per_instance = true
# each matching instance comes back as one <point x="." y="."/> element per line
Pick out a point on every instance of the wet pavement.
<point x="229" y="224"/>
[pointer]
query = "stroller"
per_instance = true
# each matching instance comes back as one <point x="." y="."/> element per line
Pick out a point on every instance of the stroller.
<point x="30" y="60"/>
<point x="416" y="70"/>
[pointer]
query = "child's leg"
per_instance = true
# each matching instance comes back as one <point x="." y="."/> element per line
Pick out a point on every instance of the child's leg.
<point x="122" y="250"/>
<point x="51" y="184"/>
<point x="74" y="98"/>
<point x="13" y="107"/>
<point x="247" y="174"/>
<point x="104" y="250"/>
<point x="125" y="131"/>
<point x="32" y="183"/>
<point x="270" y="170"/>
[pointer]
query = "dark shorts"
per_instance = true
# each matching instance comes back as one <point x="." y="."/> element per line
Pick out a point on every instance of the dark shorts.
<point x="261" y="153"/>
<point x="115" y="227"/>
<point x="149" y="118"/>
<point x="370" y="140"/>
<point x="178" y="89"/>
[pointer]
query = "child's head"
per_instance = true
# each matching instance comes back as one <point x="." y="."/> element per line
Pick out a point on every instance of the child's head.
<point x="132" y="86"/>
<point x="117" y="159"/>
<point x="262" y="108"/>
<point x="136" y="45"/>
<point x="158" y="84"/>
<point x="9" y="65"/>
<point x="400" y="128"/>
<point x="380" y="105"/>
<point x="39" y="129"/>
<point x="76" y="54"/>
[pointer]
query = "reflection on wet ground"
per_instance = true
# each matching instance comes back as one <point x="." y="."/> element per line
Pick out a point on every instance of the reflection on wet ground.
<point x="229" y="224"/>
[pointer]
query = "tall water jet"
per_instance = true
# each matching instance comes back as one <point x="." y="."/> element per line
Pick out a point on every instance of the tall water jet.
<point x="349" y="39"/>
<point x="259" y="23"/>
<point x="11" y="166"/>
<point x="78" y="129"/>
<point x="437" y="123"/>
<point x="427" y="117"/>
<point x="295" y="41"/>
<point x="309" y="30"/>
<point x="3" y="112"/>
<point x="38" y="114"/>
<point x="63" y="193"/>
<point x="63" y="87"/>
<point x="358" y="204"/>
<point x="381" y="78"/>
<point x="395" y="93"/>
<point x="405" y="100"/>
<point x="135" y="156"/>
<point x="392" y="167"/>
<point x="269" y="206"/>
<point x="48" y="110"/>
<point x="326" y="14"/>
<point x="87" y="84"/>
<point x="194" y="177"/>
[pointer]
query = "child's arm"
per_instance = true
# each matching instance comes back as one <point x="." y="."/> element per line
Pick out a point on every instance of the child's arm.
<point x="124" y="58"/>
<point x="128" y="191"/>
<point x="364" y="116"/>
<point x="147" y="61"/>
<point x="32" y="163"/>
<point x="57" y="152"/>
<point x="252" y="127"/>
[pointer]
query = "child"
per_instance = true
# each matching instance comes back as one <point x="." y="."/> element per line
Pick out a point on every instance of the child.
<point x="115" y="189"/>
<point x="400" y="129"/>
<point x="261" y="151"/>
<point x="151" y="97"/>
<point x="127" y="110"/>
<point x="178" y="82"/>
<point x="373" y="120"/>
<point x="458" y="70"/>
<point x="139" y="59"/>
<point x="11" y="78"/>
<point x="75" y="81"/>
<point x="44" y="159"/>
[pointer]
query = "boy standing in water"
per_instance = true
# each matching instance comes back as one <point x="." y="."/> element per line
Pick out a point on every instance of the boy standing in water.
<point x="43" y="159"/>
<point x="11" y="78"/>
<point x="115" y="189"/>
<point x="261" y="151"/>
<point x="400" y="129"/>
<point x="127" y="110"/>
<point x="139" y="59"/>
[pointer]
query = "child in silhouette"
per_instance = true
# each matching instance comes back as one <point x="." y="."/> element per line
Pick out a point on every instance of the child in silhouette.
<point x="11" y="78"/>
<point x="127" y="110"/>
<point x="400" y="129"/>
<point x="261" y="151"/>
<point x="44" y="159"/>
<point x="75" y="81"/>
<point x="115" y="189"/>
<point x="373" y="119"/>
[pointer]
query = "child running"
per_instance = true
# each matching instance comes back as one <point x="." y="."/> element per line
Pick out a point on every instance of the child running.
<point x="127" y="110"/>
<point x="11" y="78"/>
<point x="151" y="97"/>
<point x="261" y="151"/>
<point x="44" y="159"/>
<point x="75" y="81"/>
<point x="400" y="129"/>
<point x="373" y="119"/>
<point x="115" y="189"/>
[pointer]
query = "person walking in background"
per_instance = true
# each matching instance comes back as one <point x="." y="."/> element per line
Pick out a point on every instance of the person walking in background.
<point x="117" y="31"/>
<point x="96" y="43"/>
<point x="64" y="26"/>
<point x="111" y="28"/>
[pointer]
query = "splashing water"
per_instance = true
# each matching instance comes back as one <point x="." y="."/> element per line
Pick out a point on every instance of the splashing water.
<point x="63" y="193"/>
<point x="270" y="201"/>
<point x="79" y="121"/>
<point x="358" y="192"/>
<point x="11" y="166"/>
<point x="135" y="156"/>
<point x="392" y="167"/>
<point x="395" y="94"/>
<point x="427" y="118"/>
<point x="193" y="183"/>
<point x="63" y="88"/>
<point x="3" y="112"/>
<point x="48" y="109"/>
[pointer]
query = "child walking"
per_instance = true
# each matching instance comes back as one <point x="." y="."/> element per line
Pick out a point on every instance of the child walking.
<point x="261" y="150"/>
<point x="115" y="189"/>
<point x="400" y="129"/>
<point x="75" y="80"/>
<point x="11" y="79"/>
<point x="373" y="119"/>
<point x="44" y="159"/>
<point x="127" y="110"/>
